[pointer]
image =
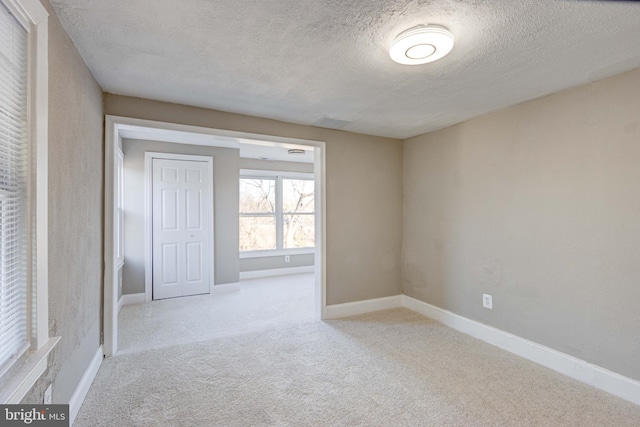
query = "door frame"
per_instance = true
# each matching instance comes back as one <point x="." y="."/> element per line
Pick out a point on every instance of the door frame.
<point x="118" y="127"/>
<point x="149" y="156"/>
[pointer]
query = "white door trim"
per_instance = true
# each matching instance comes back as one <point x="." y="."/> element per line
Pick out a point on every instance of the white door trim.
<point x="148" y="224"/>
<point x="127" y="127"/>
<point x="110" y="322"/>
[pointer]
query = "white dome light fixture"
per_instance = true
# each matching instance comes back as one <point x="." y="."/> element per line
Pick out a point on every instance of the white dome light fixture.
<point x="421" y="44"/>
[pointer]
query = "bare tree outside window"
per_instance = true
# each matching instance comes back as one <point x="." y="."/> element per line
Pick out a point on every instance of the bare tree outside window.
<point x="257" y="214"/>
<point x="298" y="205"/>
<point x="269" y="220"/>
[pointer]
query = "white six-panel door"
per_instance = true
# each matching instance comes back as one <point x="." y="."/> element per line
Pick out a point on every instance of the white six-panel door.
<point x="181" y="231"/>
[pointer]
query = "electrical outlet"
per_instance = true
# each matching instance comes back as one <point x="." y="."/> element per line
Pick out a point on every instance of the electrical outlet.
<point x="287" y="258"/>
<point x="487" y="301"/>
<point x="47" y="396"/>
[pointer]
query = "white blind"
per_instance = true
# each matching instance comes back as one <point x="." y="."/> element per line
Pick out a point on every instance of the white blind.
<point x="14" y="142"/>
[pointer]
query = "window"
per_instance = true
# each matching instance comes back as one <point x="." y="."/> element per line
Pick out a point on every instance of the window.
<point x="24" y="340"/>
<point x="14" y="176"/>
<point x="276" y="212"/>
<point x="258" y="228"/>
<point x="298" y="215"/>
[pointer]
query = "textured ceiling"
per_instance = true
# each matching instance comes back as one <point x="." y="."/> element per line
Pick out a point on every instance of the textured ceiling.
<point x="326" y="61"/>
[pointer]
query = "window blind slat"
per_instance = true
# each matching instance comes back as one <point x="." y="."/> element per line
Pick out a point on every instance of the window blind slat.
<point x="14" y="155"/>
<point x="11" y="125"/>
<point x="11" y="91"/>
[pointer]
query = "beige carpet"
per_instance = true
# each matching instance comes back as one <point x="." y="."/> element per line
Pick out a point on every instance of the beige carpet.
<point x="391" y="368"/>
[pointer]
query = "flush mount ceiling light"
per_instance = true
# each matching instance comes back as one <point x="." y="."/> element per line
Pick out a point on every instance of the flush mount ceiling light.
<point x="421" y="44"/>
<point x="296" y="152"/>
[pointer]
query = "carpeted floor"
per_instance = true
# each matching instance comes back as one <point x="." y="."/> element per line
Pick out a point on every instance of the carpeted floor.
<point x="256" y="359"/>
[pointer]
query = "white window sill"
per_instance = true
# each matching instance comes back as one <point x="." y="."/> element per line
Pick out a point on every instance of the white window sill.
<point x="272" y="253"/>
<point x="24" y="378"/>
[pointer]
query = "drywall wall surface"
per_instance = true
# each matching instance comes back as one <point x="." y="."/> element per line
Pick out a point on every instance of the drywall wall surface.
<point x="277" y="261"/>
<point x="75" y="215"/>
<point x="537" y="205"/>
<point x="364" y="193"/>
<point x="271" y="165"/>
<point x="225" y="192"/>
<point x="70" y="375"/>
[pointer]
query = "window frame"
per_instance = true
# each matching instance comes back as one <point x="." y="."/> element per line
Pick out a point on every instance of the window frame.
<point x="20" y="378"/>
<point x="279" y="177"/>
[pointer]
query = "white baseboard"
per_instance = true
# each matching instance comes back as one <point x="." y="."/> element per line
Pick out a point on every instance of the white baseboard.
<point x="563" y="363"/>
<point x="130" y="299"/>
<point x="75" y="403"/>
<point x="258" y="274"/>
<point x="336" y="311"/>
<point x="226" y="288"/>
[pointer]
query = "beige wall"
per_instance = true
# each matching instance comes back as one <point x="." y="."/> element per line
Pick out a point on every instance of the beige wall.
<point x="538" y="205"/>
<point x="75" y="215"/>
<point x="276" y="165"/>
<point x="225" y="191"/>
<point x="364" y="193"/>
<point x="274" y="262"/>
